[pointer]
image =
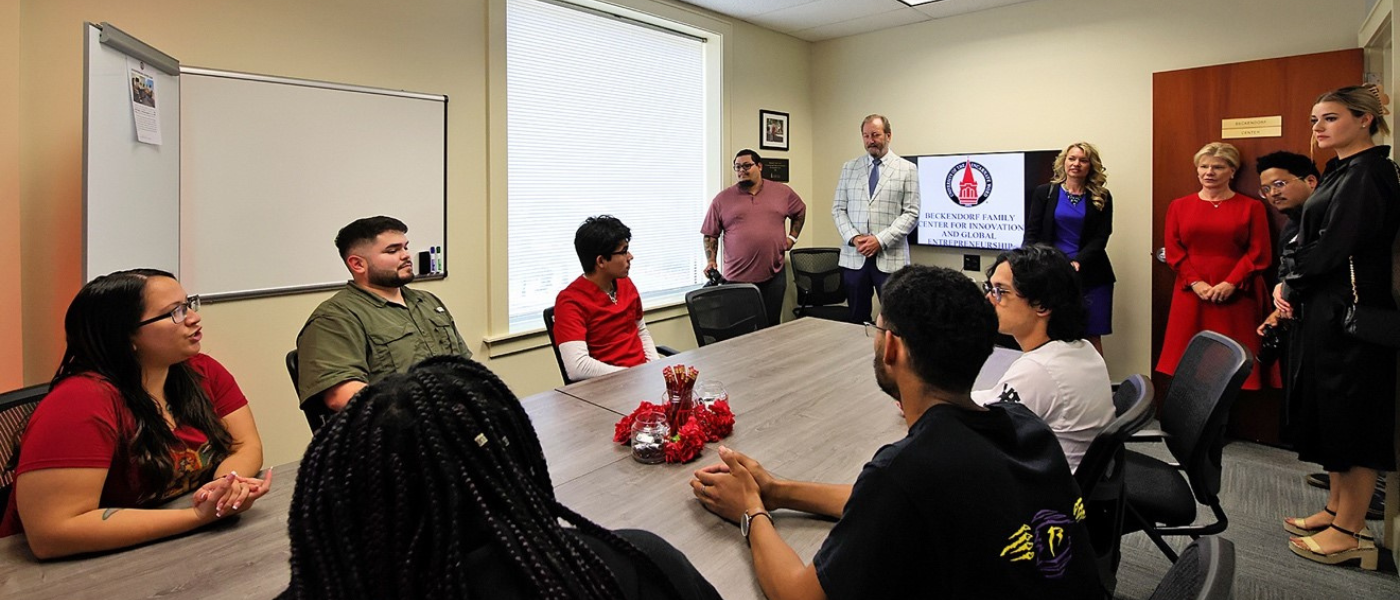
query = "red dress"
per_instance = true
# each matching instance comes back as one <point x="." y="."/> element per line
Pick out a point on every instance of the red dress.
<point x="1214" y="243"/>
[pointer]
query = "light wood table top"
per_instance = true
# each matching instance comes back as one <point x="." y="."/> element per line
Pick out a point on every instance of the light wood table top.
<point x="806" y="405"/>
<point x="247" y="556"/>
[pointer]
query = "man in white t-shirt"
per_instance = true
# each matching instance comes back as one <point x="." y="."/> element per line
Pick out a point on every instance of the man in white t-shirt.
<point x="1060" y="376"/>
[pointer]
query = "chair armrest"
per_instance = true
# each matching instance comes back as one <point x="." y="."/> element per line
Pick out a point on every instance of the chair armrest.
<point x="1148" y="435"/>
<point x="666" y="351"/>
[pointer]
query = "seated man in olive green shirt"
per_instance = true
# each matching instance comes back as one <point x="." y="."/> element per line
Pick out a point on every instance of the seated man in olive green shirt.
<point x="376" y="326"/>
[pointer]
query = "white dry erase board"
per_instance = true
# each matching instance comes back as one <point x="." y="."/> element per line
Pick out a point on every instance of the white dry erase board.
<point x="272" y="167"/>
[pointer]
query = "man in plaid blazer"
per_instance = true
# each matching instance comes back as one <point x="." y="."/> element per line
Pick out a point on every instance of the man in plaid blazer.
<point x="877" y="205"/>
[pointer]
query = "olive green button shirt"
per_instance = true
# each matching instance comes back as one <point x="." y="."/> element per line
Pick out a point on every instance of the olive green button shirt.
<point x="357" y="335"/>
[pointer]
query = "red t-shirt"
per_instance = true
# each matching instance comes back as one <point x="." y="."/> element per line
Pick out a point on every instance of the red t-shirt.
<point x="83" y="423"/>
<point x="583" y="313"/>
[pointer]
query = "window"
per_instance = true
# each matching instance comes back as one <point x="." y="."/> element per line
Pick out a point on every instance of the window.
<point x="606" y="115"/>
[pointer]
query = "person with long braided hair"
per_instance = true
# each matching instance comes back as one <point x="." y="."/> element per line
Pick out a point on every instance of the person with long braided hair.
<point x="433" y="484"/>
<point x="136" y="417"/>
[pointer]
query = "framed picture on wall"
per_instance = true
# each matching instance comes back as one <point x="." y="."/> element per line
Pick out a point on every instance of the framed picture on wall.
<point x="773" y="130"/>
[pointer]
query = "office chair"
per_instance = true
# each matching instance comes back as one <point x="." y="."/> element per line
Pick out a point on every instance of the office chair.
<point x="1100" y="475"/>
<point x="1205" y="571"/>
<point x="821" y="292"/>
<point x="15" y="408"/>
<point x="724" y="312"/>
<point x="1193" y="416"/>
<point x="315" y="410"/>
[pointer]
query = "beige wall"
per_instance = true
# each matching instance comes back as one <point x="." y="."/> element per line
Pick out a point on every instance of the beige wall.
<point x="1042" y="75"/>
<point x="11" y="331"/>
<point x="438" y="46"/>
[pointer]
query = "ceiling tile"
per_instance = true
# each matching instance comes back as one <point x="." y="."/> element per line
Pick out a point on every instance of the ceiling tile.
<point x="948" y="8"/>
<point x="824" y="12"/>
<point x="744" y="9"/>
<point x="866" y="24"/>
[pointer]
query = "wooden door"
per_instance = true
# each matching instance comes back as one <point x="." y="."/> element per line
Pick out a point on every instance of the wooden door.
<point x="1187" y="109"/>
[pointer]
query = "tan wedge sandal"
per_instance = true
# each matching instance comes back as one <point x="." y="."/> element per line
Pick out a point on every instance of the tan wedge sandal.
<point x="1365" y="550"/>
<point x="1299" y="525"/>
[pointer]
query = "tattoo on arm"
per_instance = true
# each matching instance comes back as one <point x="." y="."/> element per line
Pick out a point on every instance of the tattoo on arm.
<point x="797" y="223"/>
<point x="107" y="514"/>
<point x="711" y="247"/>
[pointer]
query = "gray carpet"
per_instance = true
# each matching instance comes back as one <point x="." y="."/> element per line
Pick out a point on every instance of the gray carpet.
<point x="1260" y="486"/>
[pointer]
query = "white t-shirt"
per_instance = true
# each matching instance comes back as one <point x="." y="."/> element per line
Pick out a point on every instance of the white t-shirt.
<point x="1066" y="383"/>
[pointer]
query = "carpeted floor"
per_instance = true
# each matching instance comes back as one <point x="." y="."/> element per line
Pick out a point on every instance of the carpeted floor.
<point x="1260" y="486"/>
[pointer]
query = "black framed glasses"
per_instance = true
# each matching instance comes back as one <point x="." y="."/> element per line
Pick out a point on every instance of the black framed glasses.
<point x="176" y="314"/>
<point x="1276" y="187"/>
<point x="741" y="167"/>
<point x="996" y="291"/>
<point x="873" y="330"/>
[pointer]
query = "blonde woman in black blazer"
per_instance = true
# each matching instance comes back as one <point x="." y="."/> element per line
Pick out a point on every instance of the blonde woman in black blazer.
<point x="1074" y="212"/>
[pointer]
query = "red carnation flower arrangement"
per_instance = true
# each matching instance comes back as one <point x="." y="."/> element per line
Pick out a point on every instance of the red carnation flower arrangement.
<point x="692" y="424"/>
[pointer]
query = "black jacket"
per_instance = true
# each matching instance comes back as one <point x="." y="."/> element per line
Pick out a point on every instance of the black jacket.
<point x="1094" y="266"/>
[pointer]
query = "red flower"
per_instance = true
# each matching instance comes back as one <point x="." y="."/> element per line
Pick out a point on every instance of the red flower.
<point x="622" y="431"/>
<point x="720" y="419"/>
<point x="686" y="445"/>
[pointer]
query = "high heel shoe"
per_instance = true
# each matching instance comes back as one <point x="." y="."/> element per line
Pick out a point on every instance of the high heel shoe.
<point x="1299" y="525"/>
<point x="1365" y="550"/>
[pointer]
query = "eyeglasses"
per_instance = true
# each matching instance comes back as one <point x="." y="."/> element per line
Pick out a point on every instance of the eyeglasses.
<point x="873" y="330"/>
<point x="741" y="167"/>
<point x="997" y="292"/>
<point x="176" y="314"/>
<point x="1277" y="186"/>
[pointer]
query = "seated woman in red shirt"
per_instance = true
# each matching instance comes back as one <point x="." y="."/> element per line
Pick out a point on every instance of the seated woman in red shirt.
<point x="136" y="417"/>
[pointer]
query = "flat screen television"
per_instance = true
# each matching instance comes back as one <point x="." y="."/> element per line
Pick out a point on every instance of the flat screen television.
<point x="977" y="200"/>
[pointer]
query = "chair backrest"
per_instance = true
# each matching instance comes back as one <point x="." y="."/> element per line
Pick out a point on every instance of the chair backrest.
<point x="315" y="410"/>
<point x="1197" y="406"/>
<point x="817" y="275"/>
<point x="1102" y="461"/>
<point x="1205" y="571"/>
<point x="726" y="311"/>
<point x="558" y="358"/>
<point x="15" y="408"/>
<point x="1101" y="475"/>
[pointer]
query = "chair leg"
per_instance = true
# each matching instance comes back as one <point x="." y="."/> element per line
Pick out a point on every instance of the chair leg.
<point x="1152" y="533"/>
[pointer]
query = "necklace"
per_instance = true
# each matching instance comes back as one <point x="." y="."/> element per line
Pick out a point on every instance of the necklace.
<point x="1215" y="203"/>
<point x="1074" y="199"/>
<point x="612" y="294"/>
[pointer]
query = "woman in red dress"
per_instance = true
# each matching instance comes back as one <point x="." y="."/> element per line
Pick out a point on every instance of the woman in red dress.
<point x="1217" y="241"/>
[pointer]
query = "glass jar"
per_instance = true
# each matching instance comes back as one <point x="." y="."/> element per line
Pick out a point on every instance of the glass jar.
<point x="649" y="433"/>
<point x="678" y="408"/>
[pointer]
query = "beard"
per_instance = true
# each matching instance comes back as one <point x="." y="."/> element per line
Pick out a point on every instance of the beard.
<point x="883" y="377"/>
<point x="746" y="184"/>
<point x="389" y="279"/>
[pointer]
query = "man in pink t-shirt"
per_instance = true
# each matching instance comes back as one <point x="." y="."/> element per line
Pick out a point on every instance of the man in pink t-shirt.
<point x="598" y="322"/>
<point x="753" y="217"/>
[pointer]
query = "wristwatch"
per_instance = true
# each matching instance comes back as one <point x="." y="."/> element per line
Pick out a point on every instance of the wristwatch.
<point x="748" y="518"/>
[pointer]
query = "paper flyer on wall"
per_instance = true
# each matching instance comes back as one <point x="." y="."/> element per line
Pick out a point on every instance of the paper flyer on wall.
<point x="143" y="102"/>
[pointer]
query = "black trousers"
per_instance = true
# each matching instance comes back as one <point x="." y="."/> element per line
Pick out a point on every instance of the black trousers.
<point x="773" y="291"/>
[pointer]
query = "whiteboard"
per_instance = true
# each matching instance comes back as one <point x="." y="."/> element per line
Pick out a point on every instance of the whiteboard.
<point x="271" y="168"/>
<point x="131" y="190"/>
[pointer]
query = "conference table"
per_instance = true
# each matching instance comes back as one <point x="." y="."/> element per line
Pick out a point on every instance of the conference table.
<point x="805" y="402"/>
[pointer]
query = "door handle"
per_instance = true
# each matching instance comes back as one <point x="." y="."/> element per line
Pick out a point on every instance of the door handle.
<point x="1161" y="255"/>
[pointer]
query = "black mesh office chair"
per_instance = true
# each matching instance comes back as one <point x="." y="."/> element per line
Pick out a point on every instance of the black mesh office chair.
<point x="1100" y="475"/>
<point x="315" y="410"/>
<point x="726" y="311"/>
<point x="1193" y="416"/>
<point x="558" y="358"/>
<point x="821" y="292"/>
<point x="15" y="408"/>
<point x="1205" y="571"/>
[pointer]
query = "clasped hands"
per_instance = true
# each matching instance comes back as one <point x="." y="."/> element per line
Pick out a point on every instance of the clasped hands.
<point x="230" y="495"/>
<point x="867" y="245"/>
<point x="1217" y="293"/>
<point x="731" y="487"/>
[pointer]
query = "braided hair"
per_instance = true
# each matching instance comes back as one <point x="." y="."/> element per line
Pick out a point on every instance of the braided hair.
<point x="420" y="470"/>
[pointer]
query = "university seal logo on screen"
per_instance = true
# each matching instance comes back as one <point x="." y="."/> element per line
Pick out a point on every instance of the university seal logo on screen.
<point x="968" y="184"/>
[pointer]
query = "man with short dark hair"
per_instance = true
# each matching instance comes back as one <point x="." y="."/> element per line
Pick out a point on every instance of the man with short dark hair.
<point x="876" y="206"/>
<point x="752" y="216"/>
<point x="1059" y="376"/>
<point x="1286" y="180"/>
<point x="1008" y="528"/>
<point x="376" y="326"/>
<point x="598" y="321"/>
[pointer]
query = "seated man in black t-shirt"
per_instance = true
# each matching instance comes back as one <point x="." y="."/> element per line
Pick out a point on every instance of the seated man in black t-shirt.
<point x="974" y="502"/>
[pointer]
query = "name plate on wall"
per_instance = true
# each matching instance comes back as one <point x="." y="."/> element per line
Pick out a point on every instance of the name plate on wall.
<point x="775" y="169"/>
<point x="1251" y="127"/>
